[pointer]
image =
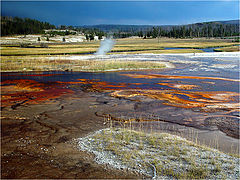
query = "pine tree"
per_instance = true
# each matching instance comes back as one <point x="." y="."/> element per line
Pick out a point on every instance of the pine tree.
<point x="91" y="37"/>
<point x="87" y="37"/>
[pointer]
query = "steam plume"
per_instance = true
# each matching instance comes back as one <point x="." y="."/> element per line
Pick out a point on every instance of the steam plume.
<point x="106" y="46"/>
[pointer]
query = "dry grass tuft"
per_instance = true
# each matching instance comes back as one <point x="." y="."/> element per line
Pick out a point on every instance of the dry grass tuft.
<point x="159" y="155"/>
<point x="12" y="63"/>
<point x="228" y="49"/>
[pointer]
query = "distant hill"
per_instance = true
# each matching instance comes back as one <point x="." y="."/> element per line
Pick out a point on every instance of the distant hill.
<point x="229" y="22"/>
<point x="116" y="28"/>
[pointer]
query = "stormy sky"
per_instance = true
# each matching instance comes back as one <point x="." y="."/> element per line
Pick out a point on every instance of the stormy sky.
<point x="122" y="12"/>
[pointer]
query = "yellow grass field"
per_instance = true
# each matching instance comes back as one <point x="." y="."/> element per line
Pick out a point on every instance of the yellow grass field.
<point x="35" y="57"/>
<point x="128" y="44"/>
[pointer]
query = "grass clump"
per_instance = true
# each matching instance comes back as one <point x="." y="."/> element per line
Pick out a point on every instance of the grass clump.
<point x="228" y="49"/>
<point x="158" y="155"/>
<point x="38" y="64"/>
<point x="122" y="65"/>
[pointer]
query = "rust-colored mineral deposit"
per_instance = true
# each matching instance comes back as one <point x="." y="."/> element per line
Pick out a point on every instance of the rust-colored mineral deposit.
<point x="153" y="76"/>
<point x="186" y="99"/>
<point x="29" y="91"/>
<point x="179" y="86"/>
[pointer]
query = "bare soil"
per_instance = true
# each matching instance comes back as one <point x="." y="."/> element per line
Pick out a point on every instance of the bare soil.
<point x="36" y="140"/>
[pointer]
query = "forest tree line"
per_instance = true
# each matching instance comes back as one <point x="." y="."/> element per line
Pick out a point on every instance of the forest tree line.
<point x="16" y="25"/>
<point x="24" y="26"/>
<point x="187" y="31"/>
<point x="193" y="31"/>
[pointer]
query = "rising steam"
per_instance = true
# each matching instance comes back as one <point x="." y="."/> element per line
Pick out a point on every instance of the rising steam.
<point x="106" y="46"/>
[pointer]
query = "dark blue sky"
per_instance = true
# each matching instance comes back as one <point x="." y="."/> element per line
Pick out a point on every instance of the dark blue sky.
<point x="125" y="12"/>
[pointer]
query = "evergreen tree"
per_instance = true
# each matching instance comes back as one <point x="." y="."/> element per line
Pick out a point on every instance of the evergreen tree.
<point x="16" y="25"/>
<point x="91" y="37"/>
<point x="154" y="32"/>
<point x="87" y="37"/>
